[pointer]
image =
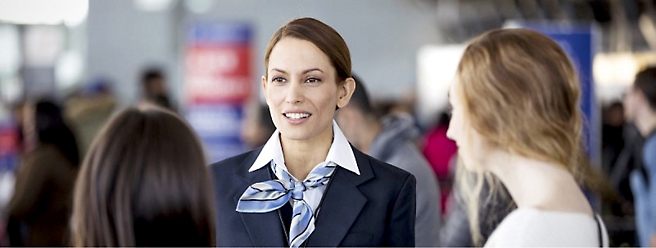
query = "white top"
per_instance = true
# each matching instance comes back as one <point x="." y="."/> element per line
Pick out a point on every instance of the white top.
<point x="340" y="153"/>
<point x="533" y="227"/>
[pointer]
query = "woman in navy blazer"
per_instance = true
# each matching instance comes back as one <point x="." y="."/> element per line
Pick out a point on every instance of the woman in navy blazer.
<point x="360" y="202"/>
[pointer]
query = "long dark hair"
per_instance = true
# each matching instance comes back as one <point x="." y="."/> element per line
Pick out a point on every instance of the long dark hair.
<point x="144" y="182"/>
<point x="51" y="129"/>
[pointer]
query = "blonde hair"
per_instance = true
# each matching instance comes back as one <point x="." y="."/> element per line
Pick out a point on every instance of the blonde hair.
<point x="521" y="93"/>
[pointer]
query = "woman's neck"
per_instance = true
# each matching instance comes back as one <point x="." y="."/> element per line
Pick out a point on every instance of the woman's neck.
<point x="538" y="184"/>
<point x="301" y="156"/>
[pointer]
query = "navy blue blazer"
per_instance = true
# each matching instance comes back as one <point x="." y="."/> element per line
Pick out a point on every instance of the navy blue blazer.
<point x="376" y="208"/>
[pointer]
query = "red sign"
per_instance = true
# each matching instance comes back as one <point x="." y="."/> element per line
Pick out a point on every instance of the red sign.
<point x="217" y="73"/>
<point x="8" y="141"/>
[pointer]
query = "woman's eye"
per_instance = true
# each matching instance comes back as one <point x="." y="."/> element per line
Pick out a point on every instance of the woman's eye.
<point x="313" y="80"/>
<point x="278" y="80"/>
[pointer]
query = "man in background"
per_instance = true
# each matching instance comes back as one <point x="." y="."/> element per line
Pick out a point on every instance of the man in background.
<point x="640" y="109"/>
<point x="89" y="110"/>
<point x="391" y="139"/>
<point x="154" y="88"/>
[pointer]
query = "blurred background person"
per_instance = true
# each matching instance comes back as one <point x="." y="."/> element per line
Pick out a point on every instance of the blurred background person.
<point x="621" y="153"/>
<point x="40" y="208"/>
<point x="440" y="152"/>
<point x="392" y="139"/>
<point x="493" y="207"/>
<point x="257" y="126"/>
<point x="144" y="183"/>
<point x="90" y="110"/>
<point x="612" y="133"/>
<point x="530" y="142"/>
<point x="154" y="88"/>
<point x="640" y="102"/>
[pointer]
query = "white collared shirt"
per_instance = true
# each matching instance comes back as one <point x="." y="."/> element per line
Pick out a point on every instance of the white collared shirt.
<point x="340" y="153"/>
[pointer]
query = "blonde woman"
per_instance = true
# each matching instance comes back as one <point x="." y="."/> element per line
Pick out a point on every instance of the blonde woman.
<point x="516" y="119"/>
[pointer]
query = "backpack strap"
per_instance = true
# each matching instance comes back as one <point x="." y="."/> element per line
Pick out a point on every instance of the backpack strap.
<point x="600" y="230"/>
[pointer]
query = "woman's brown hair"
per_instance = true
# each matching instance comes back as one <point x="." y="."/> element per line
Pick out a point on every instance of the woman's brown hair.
<point x="321" y="35"/>
<point x="521" y="93"/>
<point x="144" y="182"/>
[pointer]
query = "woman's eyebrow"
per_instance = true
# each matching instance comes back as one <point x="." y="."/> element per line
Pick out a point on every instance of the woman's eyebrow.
<point x="313" y="69"/>
<point x="279" y="70"/>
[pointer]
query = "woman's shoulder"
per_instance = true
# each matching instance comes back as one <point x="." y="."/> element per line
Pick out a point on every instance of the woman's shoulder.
<point x="45" y="154"/>
<point x="556" y="217"/>
<point x="382" y="169"/>
<point x="233" y="162"/>
<point x="534" y="227"/>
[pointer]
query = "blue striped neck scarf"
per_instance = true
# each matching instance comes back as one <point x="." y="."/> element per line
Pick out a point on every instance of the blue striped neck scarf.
<point x="271" y="195"/>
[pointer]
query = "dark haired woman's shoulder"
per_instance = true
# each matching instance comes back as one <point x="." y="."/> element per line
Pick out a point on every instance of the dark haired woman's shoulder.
<point x="47" y="154"/>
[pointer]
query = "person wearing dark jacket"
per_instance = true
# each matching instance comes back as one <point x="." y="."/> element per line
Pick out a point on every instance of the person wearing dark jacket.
<point x="455" y="230"/>
<point x="42" y="198"/>
<point x="307" y="186"/>
<point x="391" y="139"/>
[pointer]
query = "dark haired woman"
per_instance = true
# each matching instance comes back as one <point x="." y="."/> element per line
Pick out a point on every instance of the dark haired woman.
<point x="144" y="183"/>
<point x="42" y="196"/>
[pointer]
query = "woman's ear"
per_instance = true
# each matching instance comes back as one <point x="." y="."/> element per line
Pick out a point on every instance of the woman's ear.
<point x="345" y="92"/>
<point x="264" y="86"/>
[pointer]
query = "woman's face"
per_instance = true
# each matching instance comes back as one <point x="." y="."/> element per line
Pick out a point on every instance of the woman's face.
<point x="470" y="143"/>
<point x="301" y="89"/>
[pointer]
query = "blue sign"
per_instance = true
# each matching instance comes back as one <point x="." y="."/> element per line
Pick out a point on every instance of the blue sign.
<point x="220" y="33"/>
<point x="219" y="127"/>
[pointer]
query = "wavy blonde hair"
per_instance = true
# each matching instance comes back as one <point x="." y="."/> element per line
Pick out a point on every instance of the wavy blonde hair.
<point x="521" y="93"/>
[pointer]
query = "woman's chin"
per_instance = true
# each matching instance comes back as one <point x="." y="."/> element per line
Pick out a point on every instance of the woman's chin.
<point x="295" y="134"/>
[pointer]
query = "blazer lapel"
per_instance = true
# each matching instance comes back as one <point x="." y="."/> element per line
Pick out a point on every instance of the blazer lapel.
<point x="341" y="205"/>
<point x="264" y="229"/>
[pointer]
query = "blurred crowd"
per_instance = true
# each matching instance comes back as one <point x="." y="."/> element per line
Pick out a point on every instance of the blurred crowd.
<point x="54" y="138"/>
<point x="57" y="136"/>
